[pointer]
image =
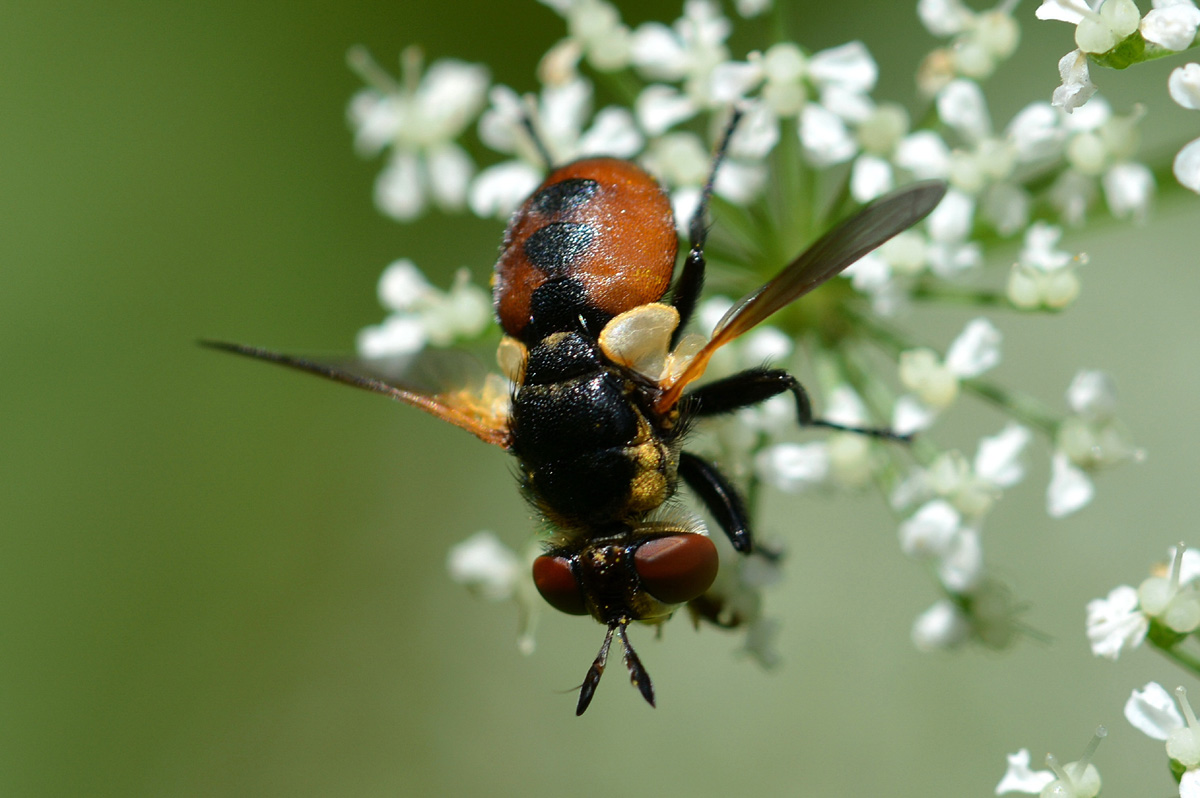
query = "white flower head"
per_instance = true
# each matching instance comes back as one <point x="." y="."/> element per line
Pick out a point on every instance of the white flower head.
<point x="1116" y="622"/>
<point x="1073" y="780"/>
<point x="419" y="119"/>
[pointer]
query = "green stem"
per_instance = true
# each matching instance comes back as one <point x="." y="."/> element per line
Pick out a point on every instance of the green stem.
<point x="1021" y="406"/>
<point x="1183" y="659"/>
<point x="929" y="290"/>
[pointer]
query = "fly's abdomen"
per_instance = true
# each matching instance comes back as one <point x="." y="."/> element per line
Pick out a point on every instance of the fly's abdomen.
<point x="588" y="455"/>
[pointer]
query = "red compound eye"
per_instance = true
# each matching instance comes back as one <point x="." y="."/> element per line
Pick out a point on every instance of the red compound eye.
<point x="676" y="568"/>
<point x="555" y="581"/>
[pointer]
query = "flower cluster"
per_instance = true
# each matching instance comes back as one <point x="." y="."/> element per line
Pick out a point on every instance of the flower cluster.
<point x="814" y="143"/>
<point x="1078" y="779"/>
<point x="1114" y="33"/>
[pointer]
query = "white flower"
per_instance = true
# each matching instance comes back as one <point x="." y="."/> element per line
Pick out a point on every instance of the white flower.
<point x="1073" y="780"/>
<point x="981" y="40"/>
<point x="1184" y="86"/>
<point x="484" y="564"/>
<point x="1116" y="622"/>
<point x="935" y="383"/>
<point x="1090" y="439"/>
<point x="943" y="626"/>
<point x="1021" y="778"/>
<point x="1043" y="276"/>
<point x="1171" y="24"/>
<point x="422" y="314"/>
<point x="1173" y="600"/>
<point x="1100" y="24"/>
<point x="1152" y="711"/>
<point x="419" y="120"/>
<point x="562" y="110"/>
<point x="1077" y="87"/>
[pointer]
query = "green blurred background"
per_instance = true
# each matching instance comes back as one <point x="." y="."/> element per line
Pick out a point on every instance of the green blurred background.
<point x="220" y="579"/>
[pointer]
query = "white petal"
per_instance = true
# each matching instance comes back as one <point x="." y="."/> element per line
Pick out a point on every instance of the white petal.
<point x="1019" y="778"/>
<point x="944" y="17"/>
<point x="499" y="189"/>
<point x="1152" y="711"/>
<point x="1093" y="395"/>
<point x="658" y="53"/>
<point x="1189" y="569"/>
<point x="1072" y="11"/>
<point x="975" y="350"/>
<point x="450" y="170"/>
<point x="1115" y="622"/>
<point x="942" y="626"/>
<point x="757" y="133"/>
<point x="1187" y="166"/>
<point x="998" y="459"/>
<point x="398" y="190"/>
<point x="1128" y="189"/>
<point x="1035" y="132"/>
<point x="450" y="94"/>
<point x="824" y="136"/>
<point x="1172" y="27"/>
<point x="925" y="154"/>
<point x="1077" y="87"/>
<point x="483" y="563"/>
<point x="1189" y="784"/>
<point x="376" y="119"/>
<point x="952" y="219"/>
<point x="870" y="177"/>
<point x="849" y="65"/>
<point x="1184" y="85"/>
<point x="740" y="182"/>
<point x="733" y="80"/>
<point x="500" y="125"/>
<point x="961" y="563"/>
<point x="1006" y="205"/>
<point x="562" y="111"/>
<point x="931" y="530"/>
<point x="402" y="285"/>
<point x="792" y="467"/>
<point x="910" y="416"/>
<point x="752" y="8"/>
<point x="400" y="334"/>
<point x="660" y="107"/>
<point x="961" y="106"/>
<point x="613" y="133"/>
<point x="1069" y="490"/>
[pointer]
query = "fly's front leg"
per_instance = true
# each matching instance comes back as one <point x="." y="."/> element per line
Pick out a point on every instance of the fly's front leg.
<point x="751" y="387"/>
<point x="720" y="497"/>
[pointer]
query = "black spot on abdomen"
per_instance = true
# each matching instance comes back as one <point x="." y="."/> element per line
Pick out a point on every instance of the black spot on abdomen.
<point x="557" y="247"/>
<point x="565" y="196"/>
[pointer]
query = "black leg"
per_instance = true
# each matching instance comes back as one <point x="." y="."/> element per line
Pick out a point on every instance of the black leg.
<point x="691" y="278"/>
<point x="750" y="387"/>
<point x="720" y="497"/>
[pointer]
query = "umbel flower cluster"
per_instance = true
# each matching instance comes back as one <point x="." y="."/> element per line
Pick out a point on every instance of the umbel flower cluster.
<point x="815" y="143"/>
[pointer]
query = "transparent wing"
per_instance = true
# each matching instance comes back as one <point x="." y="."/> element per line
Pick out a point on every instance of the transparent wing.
<point x="843" y="245"/>
<point x="447" y="383"/>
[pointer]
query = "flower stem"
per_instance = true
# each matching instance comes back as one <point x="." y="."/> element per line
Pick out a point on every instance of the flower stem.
<point x="1183" y="659"/>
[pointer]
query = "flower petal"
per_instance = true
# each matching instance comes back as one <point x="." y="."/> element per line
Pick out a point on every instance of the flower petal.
<point x="1152" y="711"/>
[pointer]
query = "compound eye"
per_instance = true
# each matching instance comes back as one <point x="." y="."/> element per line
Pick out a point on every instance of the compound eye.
<point x="676" y="568"/>
<point x="556" y="582"/>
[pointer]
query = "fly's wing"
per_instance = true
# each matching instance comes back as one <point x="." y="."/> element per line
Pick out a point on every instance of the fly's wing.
<point x="843" y="245"/>
<point x="448" y="383"/>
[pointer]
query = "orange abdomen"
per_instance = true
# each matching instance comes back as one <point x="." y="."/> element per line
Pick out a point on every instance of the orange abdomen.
<point x="602" y="222"/>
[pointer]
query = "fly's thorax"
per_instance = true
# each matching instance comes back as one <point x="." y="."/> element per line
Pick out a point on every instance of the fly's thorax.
<point x="591" y="452"/>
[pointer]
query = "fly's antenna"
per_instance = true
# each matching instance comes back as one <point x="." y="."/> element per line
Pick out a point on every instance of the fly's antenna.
<point x="527" y="114"/>
<point x="594" y="673"/>
<point x="637" y="672"/>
